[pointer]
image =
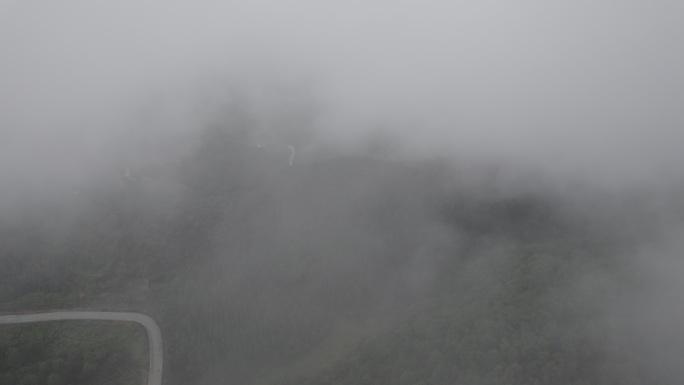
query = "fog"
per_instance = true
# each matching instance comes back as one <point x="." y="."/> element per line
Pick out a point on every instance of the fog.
<point x="581" y="88"/>
<point x="574" y="106"/>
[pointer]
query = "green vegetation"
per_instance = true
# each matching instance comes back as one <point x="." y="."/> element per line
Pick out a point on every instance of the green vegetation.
<point x="73" y="352"/>
<point x="511" y="318"/>
<point x="343" y="270"/>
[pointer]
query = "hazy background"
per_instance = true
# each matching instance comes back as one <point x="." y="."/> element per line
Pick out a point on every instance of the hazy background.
<point x="577" y="104"/>
<point x="584" y="88"/>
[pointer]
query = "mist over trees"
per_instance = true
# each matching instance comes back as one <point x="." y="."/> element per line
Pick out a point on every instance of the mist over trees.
<point x="346" y="268"/>
<point x="458" y="192"/>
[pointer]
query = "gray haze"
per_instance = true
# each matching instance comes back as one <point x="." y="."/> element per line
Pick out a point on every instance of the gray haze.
<point x="581" y="100"/>
<point x="587" y="89"/>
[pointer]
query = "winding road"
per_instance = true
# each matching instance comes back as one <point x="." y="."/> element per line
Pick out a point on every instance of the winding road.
<point x="153" y="331"/>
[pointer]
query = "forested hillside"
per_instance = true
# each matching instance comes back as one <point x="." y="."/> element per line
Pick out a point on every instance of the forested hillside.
<point x="339" y="269"/>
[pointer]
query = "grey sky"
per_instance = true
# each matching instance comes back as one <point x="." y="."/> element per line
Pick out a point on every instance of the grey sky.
<point x="574" y="87"/>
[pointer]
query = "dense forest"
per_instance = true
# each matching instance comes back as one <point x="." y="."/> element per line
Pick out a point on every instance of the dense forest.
<point x="343" y="268"/>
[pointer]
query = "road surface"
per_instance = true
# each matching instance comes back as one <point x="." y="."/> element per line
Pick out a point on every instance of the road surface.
<point x="153" y="332"/>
